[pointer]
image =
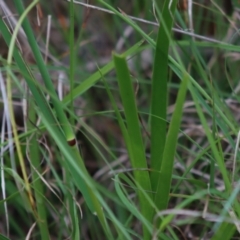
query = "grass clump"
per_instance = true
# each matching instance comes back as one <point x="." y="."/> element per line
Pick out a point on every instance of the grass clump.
<point x="119" y="123"/>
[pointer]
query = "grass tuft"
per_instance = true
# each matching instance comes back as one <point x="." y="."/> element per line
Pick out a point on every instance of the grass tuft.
<point x="119" y="120"/>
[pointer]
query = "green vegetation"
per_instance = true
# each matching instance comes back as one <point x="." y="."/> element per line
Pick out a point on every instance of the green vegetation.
<point x="113" y="127"/>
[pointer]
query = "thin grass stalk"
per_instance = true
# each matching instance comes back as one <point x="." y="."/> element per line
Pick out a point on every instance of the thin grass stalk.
<point x="195" y="197"/>
<point x="202" y="69"/>
<point x="38" y="186"/>
<point x="128" y="20"/>
<point x="122" y="193"/>
<point x="75" y="147"/>
<point x="215" y="151"/>
<point x="2" y="161"/>
<point x="72" y="55"/>
<point x="188" y="169"/>
<point x="69" y="196"/>
<point x="64" y="123"/>
<point x="218" y="157"/>
<point x="227" y="209"/>
<point x="215" y="99"/>
<point x="23" y="66"/>
<point x="26" y="72"/>
<point x="159" y="91"/>
<point x="214" y="134"/>
<point x="10" y="106"/>
<point x="71" y="206"/>
<point x="91" y="198"/>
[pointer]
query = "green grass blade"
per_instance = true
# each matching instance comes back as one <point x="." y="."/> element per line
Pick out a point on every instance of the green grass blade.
<point x="45" y="75"/>
<point x="2" y="237"/>
<point x="127" y="203"/>
<point x="72" y="54"/>
<point x="217" y="155"/>
<point x="70" y="202"/>
<point x="226" y="229"/>
<point x="10" y="105"/>
<point x="37" y="93"/>
<point x="178" y="69"/>
<point x="215" y="151"/>
<point x="136" y="147"/>
<point x="159" y="91"/>
<point x="38" y="186"/>
<point x="164" y="182"/>
<point x="119" y="117"/>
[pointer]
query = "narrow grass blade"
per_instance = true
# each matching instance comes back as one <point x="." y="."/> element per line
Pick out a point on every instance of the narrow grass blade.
<point x="213" y="146"/>
<point x="119" y="117"/>
<point x="37" y="94"/>
<point x="195" y="197"/>
<point x="128" y="204"/>
<point x="64" y="123"/>
<point x="10" y="107"/>
<point x="72" y="207"/>
<point x="202" y="94"/>
<point x="164" y="182"/>
<point x="38" y="186"/>
<point x="159" y="91"/>
<point x="129" y="21"/>
<point x="218" y="157"/>
<point x="72" y="53"/>
<point x="136" y="147"/>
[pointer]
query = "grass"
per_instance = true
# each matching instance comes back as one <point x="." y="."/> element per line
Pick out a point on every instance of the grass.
<point x="130" y="130"/>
